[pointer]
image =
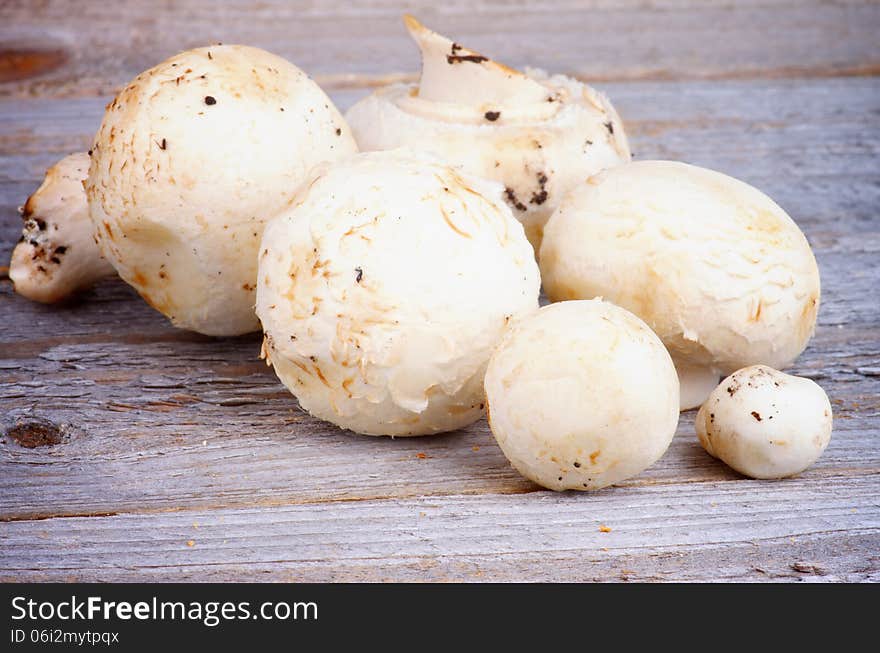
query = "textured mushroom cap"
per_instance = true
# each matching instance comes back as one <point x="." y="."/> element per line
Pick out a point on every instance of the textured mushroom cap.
<point x="57" y="254"/>
<point x="765" y="424"/>
<point x="581" y="395"/>
<point x="714" y="266"/>
<point x="384" y="289"/>
<point x="491" y="120"/>
<point x="191" y="160"/>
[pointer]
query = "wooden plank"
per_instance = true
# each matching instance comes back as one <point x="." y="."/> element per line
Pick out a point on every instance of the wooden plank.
<point x="49" y="49"/>
<point x="159" y="413"/>
<point x="801" y="529"/>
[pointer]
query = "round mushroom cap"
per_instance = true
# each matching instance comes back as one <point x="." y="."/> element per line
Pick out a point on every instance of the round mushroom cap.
<point x="765" y="424"/>
<point x="191" y="159"/>
<point x="385" y="288"/>
<point x="580" y="395"/>
<point x="536" y="134"/>
<point x="718" y="270"/>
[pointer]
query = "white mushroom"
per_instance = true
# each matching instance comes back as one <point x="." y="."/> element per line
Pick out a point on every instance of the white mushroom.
<point x="713" y="265"/>
<point x="191" y="160"/>
<point x="537" y="135"/>
<point x="581" y="395"/>
<point x="384" y="289"/>
<point x="57" y="255"/>
<point x="765" y="424"/>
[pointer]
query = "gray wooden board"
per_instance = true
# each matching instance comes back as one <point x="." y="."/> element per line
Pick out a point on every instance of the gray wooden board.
<point x="184" y="458"/>
<point x="807" y="529"/>
<point x="104" y="44"/>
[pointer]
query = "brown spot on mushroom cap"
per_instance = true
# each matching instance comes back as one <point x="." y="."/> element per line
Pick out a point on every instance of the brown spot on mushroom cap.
<point x="465" y="58"/>
<point x="513" y="201"/>
<point x="321" y="375"/>
<point x="756" y="314"/>
<point x="540" y="196"/>
<point x="452" y="225"/>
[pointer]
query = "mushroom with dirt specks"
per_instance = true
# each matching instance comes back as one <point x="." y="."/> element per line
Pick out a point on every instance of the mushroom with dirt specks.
<point x="581" y="395"/>
<point x="192" y="158"/>
<point x="714" y="266"/>
<point x="765" y="424"/>
<point x="385" y="288"/>
<point x="57" y="255"/>
<point x="538" y="135"/>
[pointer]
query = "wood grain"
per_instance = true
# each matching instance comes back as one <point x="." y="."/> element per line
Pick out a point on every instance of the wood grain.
<point x="745" y="530"/>
<point x="169" y="436"/>
<point x="363" y="43"/>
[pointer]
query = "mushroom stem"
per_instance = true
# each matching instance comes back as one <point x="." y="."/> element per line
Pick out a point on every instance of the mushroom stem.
<point x="57" y="254"/>
<point x="455" y="74"/>
<point x="695" y="382"/>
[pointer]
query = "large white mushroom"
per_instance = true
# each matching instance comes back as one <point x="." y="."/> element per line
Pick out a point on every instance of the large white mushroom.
<point x="384" y="289"/>
<point x="190" y="161"/>
<point x="765" y="424"/>
<point x="57" y="255"/>
<point x="714" y="266"/>
<point x="537" y="135"/>
<point x="581" y="395"/>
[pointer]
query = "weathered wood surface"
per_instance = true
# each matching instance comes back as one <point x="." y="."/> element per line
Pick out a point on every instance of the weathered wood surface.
<point x="174" y="437"/>
<point x="665" y="532"/>
<point x="348" y="44"/>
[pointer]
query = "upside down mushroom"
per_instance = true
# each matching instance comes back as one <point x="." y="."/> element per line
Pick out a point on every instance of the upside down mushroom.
<point x="538" y="135"/>
<point x="581" y="395"/>
<point x="765" y="424"/>
<point x="57" y="255"/>
<point x="714" y="266"/>
<point x="192" y="158"/>
<point x="383" y="290"/>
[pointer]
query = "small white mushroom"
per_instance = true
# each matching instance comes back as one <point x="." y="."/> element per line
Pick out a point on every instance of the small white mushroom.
<point x="57" y="255"/>
<point x="581" y="395"/>
<point x="765" y="424"/>
<point x="192" y="158"/>
<point x="538" y="135"/>
<point x="385" y="288"/>
<point x="720" y="272"/>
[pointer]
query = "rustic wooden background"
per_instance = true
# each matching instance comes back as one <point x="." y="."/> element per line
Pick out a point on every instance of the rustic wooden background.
<point x="181" y="457"/>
